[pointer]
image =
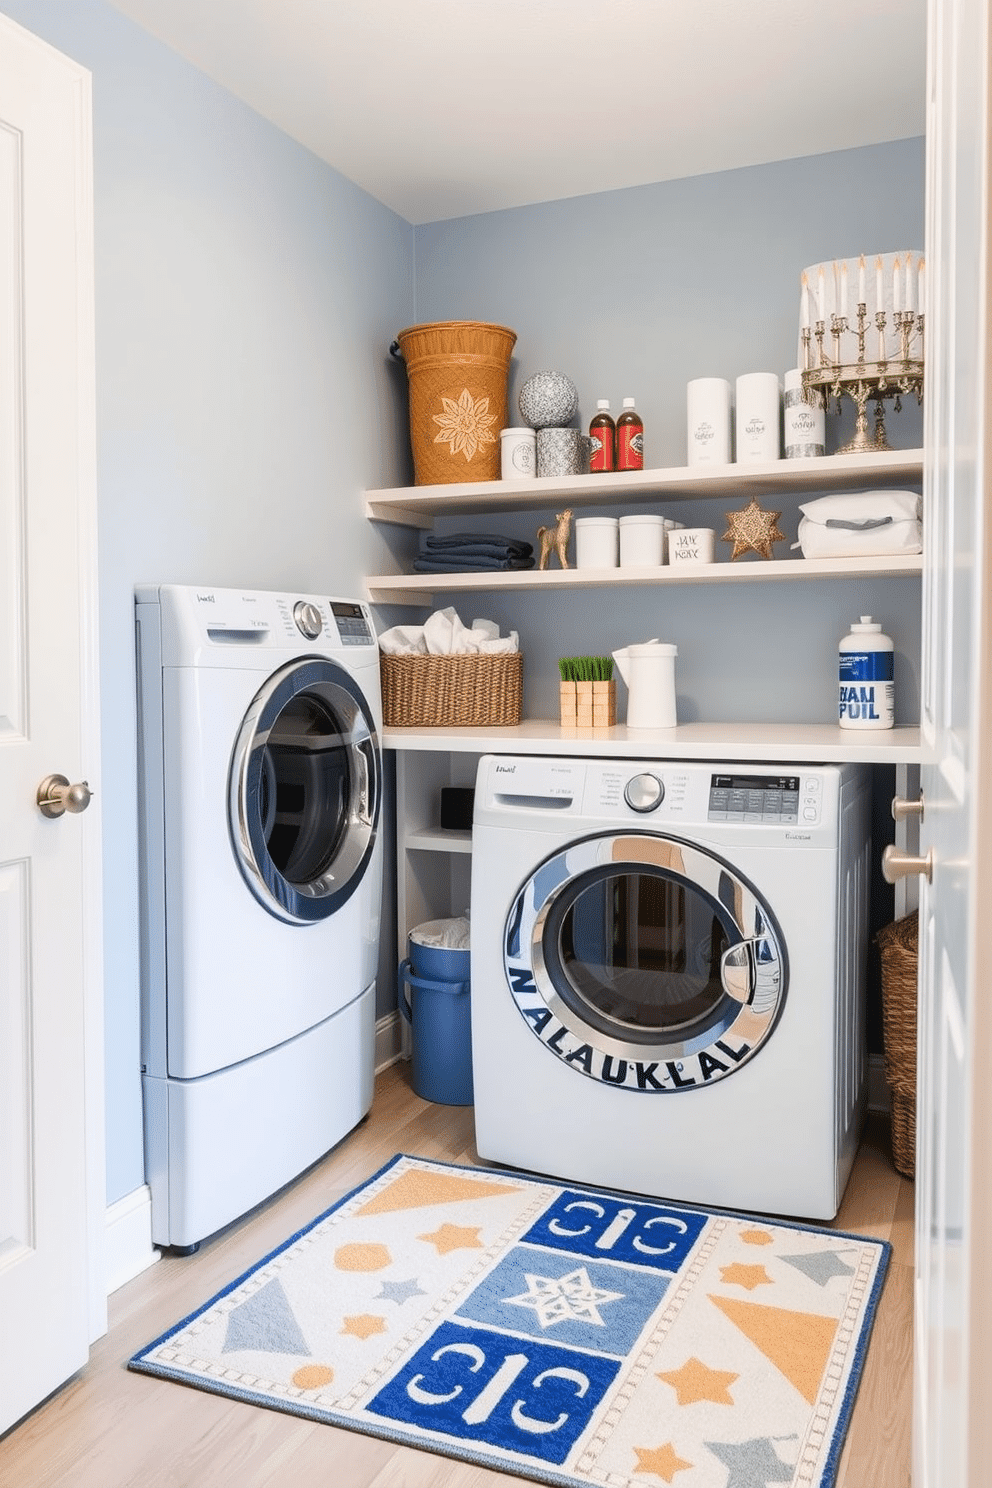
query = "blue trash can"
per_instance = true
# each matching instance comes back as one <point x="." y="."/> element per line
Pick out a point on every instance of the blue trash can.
<point x="435" y="1001"/>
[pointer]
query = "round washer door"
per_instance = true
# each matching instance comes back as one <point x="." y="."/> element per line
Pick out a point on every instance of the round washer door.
<point x="645" y="962"/>
<point x="304" y="792"/>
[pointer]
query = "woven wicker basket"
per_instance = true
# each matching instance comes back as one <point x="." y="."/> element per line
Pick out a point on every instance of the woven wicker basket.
<point x="452" y="691"/>
<point x="898" y="947"/>
<point x="458" y="371"/>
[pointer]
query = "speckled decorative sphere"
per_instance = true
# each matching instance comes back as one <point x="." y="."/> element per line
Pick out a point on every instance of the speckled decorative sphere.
<point x="548" y="400"/>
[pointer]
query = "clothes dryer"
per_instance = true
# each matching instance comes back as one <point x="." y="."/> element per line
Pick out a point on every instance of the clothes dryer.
<point x="261" y="865"/>
<point x="668" y="976"/>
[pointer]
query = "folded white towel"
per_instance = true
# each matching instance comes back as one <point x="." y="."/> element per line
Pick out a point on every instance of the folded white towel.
<point x="443" y="634"/>
<point x="861" y="524"/>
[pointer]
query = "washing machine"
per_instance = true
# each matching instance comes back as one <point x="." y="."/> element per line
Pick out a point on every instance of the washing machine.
<point x="261" y="869"/>
<point x="668" y="976"/>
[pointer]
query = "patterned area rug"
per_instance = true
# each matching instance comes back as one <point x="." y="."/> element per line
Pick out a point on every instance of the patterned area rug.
<point x="567" y="1335"/>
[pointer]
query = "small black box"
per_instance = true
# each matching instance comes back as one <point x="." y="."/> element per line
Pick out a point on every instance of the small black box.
<point x="457" y="803"/>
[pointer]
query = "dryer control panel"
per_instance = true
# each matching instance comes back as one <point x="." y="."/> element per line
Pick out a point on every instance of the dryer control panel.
<point x="755" y="798"/>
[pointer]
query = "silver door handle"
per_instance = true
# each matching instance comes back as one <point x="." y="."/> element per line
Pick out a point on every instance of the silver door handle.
<point x="902" y="808"/>
<point x="56" y="796"/>
<point x="897" y="864"/>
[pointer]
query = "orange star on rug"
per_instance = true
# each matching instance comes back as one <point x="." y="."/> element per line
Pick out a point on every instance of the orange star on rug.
<point x="753" y="531"/>
<point x="756" y="1237"/>
<point x="696" y="1381"/>
<point x="454" y="1237"/>
<point x="664" y="1461"/>
<point x="745" y="1276"/>
<point x="363" y="1325"/>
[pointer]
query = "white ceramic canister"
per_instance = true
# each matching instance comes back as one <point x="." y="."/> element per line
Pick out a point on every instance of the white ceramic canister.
<point x="642" y="541"/>
<point x="691" y="545"/>
<point x="757" y="417"/>
<point x="803" y="421"/>
<point x="708" y="421"/>
<point x="867" y="690"/>
<point x="596" y="542"/>
<point x="517" y="453"/>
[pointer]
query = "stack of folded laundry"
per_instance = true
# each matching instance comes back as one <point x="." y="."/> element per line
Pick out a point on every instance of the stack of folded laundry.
<point x="861" y="524"/>
<point x="463" y="552"/>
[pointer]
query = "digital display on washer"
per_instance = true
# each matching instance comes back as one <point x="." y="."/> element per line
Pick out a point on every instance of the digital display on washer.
<point x="754" y="798"/>
<point x="352" y="625"/>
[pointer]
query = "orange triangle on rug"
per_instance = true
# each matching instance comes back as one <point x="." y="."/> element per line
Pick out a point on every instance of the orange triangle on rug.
<point x="797" y="1343"/>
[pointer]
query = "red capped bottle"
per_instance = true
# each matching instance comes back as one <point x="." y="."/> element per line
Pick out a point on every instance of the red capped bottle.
<point x="630" y="438"/>
<point x="603" y="433"/>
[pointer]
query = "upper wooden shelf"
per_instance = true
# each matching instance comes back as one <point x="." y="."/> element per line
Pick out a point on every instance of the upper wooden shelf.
<point x="417" y="506"/>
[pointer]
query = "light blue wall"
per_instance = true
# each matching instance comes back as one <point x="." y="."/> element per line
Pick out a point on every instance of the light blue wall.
<point x="246" y="296"/>
<point x="635" y="292"/>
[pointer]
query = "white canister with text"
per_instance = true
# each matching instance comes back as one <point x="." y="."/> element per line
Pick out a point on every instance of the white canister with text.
<point x="803" y="434"/>
<point x="708" y="421"/>
<point x="757" y="417"/>
<point x="867" y="689"/>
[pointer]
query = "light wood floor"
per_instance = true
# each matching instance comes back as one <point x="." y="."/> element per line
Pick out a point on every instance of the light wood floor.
<point x="108" y="1428"/>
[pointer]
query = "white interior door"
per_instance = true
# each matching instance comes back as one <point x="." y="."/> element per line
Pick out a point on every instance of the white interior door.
<point x="50" y="1129"/>
<point x="953" y="1312"/>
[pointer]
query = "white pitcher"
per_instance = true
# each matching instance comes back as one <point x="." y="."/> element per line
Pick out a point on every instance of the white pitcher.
<point x="648" y="669"/>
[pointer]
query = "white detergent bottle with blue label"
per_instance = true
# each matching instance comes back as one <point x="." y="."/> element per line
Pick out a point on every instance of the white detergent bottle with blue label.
<point x="867" y="689"/>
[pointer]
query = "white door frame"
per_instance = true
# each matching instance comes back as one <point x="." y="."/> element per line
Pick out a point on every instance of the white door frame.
<point x="89" y="590"/>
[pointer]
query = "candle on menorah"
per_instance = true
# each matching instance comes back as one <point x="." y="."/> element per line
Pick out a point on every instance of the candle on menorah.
<point x="834" y="353"/>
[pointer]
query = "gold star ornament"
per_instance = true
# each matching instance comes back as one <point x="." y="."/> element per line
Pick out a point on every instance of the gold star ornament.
<point x="753" y="531"/>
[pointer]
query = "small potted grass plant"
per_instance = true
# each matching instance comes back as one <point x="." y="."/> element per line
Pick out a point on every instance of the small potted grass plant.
<point x="588" y="692"/>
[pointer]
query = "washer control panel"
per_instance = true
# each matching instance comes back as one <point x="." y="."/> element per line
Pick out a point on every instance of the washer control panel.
<point x="352" y="623"/>
<point x="775" y="799"/>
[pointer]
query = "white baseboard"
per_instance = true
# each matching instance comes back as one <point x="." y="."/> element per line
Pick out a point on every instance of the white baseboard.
<point x="388" y="1041"/>
<point x="129" y="1238"/>
<point x="878" y="1091"/>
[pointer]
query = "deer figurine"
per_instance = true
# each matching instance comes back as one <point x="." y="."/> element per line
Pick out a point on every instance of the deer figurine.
<point x="556" y="538"/>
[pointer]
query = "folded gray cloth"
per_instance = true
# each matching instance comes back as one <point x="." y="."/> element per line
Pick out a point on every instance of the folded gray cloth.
<point x="485" y="544"/>
<point x="467" y="562"/>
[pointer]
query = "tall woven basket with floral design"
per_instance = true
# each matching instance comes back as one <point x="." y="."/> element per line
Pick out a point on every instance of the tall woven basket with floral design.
<point x="458" y="372"/>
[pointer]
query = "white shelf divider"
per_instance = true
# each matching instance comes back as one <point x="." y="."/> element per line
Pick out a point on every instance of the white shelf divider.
<point x="417" y="506"/>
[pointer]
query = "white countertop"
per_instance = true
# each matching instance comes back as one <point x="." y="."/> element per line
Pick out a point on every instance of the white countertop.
<point x="802" y="743"/>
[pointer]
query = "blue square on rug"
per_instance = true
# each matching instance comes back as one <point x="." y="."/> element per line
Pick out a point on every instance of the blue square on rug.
<point x="547" y="1294"/>
<point x="618" y="1229"/>
<point x="520" y="1395"/>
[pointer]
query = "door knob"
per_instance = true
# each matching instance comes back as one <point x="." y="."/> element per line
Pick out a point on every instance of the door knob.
<point x="56" y="796"/>
<point x="901" y="808"/>
<point x="897" y="864"/>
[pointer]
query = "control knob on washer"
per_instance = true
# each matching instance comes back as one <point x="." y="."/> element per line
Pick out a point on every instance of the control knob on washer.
<point x="644" y="792"/>
<point x="308" y="619"/>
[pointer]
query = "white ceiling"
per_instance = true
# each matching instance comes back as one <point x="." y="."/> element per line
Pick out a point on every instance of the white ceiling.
<point x="441" y="108"/>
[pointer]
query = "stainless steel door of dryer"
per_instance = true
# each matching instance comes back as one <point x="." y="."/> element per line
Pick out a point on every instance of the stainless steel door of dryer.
<point x="304" y="791"/>
<point x="646" y="962"/>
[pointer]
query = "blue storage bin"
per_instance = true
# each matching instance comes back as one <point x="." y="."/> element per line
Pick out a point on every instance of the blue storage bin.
<point x="435" y="999"/>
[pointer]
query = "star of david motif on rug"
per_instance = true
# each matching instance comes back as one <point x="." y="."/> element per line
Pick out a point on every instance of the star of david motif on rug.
<point x="570" y="1298"/>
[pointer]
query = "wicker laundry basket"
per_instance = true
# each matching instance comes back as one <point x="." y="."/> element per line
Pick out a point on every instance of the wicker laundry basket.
<point x="452" y="691"/>
<point x="898" y="946"/>
<point x="458" y="372"/>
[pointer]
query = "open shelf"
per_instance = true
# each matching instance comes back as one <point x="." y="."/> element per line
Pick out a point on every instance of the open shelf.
<point x="417" y="506"/>
<point x="419" y="589"/>
<point x="795" y="743"/>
